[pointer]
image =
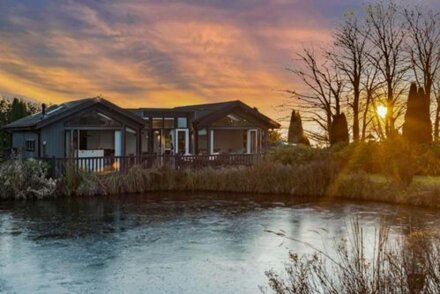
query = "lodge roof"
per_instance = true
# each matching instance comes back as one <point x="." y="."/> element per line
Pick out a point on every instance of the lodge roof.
<point x="55" y="112"/>
<point x="203" y="113"/>
<point x="209" y="112"/>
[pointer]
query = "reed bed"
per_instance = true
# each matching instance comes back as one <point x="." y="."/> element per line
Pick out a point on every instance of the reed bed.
<point x="323" y="178"/>
<point x="405" y="264"/>
<point x="307" y="180"/>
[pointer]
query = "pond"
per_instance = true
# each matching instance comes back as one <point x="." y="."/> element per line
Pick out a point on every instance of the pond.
<point x="172" y="243"/>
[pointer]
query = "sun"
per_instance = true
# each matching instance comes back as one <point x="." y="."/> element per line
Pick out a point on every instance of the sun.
<point x="382" y="111"/>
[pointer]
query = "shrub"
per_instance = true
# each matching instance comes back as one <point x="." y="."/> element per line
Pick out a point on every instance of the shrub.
<point x="399" y="159"/>
<point x="21" y="179"/>
<point x="297" y="154"/>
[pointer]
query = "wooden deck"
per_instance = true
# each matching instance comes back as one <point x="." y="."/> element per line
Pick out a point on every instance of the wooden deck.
<point x="102" y="165"/>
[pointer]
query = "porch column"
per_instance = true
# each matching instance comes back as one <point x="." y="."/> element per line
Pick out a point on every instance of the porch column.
<point x="211" y="142"/>
<point x="208" y="140"/>
<point x="139" y="142"/>
<point x="187" y="138"/>
<point x="248" y="141"/>
<point x="118" y="143"/>
<point x="195" y="146"/>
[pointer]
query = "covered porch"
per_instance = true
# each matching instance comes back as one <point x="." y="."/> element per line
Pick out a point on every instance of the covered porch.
<point x="215" y="141"/>
<point x="101" y="137"/>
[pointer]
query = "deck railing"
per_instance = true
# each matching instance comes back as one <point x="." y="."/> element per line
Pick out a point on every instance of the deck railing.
<point x="107" y="164"/>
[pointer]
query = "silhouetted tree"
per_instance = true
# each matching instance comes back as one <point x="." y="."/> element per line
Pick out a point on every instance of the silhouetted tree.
<point x="417" y="126"/>
<point x="424" y="45"/>
<point x="325" y="87"/>
<point x="12" y="111"/>
<point x="339" y="130"/>
<point x="296" y="132"/>
<point x="17" y="111"/>
<point x="351" y="44"/>
<point x="387" y="36"/>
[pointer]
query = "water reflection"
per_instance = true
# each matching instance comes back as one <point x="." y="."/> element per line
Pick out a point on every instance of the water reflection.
<point x="171" y="243"/>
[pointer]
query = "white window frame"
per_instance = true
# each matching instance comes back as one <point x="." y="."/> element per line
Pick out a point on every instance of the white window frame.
<point x="249" y="143"/>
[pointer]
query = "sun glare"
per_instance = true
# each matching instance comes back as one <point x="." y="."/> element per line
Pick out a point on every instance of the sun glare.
<point x="382" y="111"/>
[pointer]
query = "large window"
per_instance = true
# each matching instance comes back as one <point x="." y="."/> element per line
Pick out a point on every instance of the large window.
<point x="145" y="138"/>
<point x="232" y="120"/>
<point x="157" y="123"/>
<point x="182" y="122"/>
<point x="77" y="141"/>
<point x="30" y="145"/>
<point x="203" y="141"/>
<point x="93" y="118"/>
<point x="169" y="123"/>
<point x="130" y="142"/>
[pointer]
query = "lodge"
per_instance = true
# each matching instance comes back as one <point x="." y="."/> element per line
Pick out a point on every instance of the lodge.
<point x="95" y="127"/>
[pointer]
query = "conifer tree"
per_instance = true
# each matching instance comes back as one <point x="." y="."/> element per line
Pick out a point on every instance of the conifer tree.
<point x="417" y="126"/>
<point x="339" y="130"/>
<point x="296" y="132"/>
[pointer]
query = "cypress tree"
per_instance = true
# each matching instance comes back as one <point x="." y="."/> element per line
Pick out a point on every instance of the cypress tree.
<point x="339" y="130"/>
<point x="417" y="127"/>
<point x="425" y="135"/>
<point x="296" y="132"/>
<point x="18" y="110"/>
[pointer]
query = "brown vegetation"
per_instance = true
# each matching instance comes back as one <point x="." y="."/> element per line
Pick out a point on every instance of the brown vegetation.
<point x="408" y="264"/>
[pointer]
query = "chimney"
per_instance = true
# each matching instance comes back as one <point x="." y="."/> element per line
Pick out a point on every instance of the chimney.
<point x="43" y="109"/>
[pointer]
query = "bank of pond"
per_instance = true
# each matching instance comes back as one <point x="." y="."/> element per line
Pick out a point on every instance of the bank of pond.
<point x="318" y="178"/>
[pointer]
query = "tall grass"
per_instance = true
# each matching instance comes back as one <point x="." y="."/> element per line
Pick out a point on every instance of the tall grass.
<point x="266" y="177"/>
<point x="409" y="264"/>
<point x="368" y="171"/>
<point x="323" y="178"/>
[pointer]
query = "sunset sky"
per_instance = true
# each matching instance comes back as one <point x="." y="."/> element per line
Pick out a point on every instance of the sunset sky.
<point x="160" y="53"/>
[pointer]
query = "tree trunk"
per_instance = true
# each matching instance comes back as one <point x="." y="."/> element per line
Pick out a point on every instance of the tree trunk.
<point x="365" y="115"/>
<point x="437" y="120"/>
<point x="389" y="124"/>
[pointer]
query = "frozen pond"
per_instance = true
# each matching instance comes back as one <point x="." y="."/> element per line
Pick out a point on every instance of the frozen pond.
<point x="202" y="243"/>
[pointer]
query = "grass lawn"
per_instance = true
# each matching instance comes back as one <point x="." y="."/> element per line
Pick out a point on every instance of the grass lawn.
<point x="420" y="180"/>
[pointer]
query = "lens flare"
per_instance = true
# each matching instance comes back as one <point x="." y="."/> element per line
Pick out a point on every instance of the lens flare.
<point x="382" y="111"/>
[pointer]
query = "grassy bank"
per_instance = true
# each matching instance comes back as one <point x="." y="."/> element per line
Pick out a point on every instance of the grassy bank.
<point x="388" y="172"/>
<point x="317" y="179"/>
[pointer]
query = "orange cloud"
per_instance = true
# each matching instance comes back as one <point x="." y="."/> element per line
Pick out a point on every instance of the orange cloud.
<point x="155" y="53"/>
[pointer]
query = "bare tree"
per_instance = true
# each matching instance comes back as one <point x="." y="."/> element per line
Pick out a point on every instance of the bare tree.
<point x="370" y="117"/>
<point x="424" y="45"/>
<point x="323" y="97"/>
<point x="350" y="58"/>
<point x="387" y="39"/>
<point x="436" y="93"/>
<point x="424" y="50"/>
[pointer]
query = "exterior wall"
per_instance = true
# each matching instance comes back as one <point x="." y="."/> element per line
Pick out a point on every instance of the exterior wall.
<point x="19" y="143"/>
<point x="53" y="137"/>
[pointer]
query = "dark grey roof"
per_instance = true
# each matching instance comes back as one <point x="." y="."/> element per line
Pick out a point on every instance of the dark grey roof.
<point x="55" y="112"/>
<point x="52" y="111"/>
<point x="204" y="112"/>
